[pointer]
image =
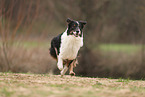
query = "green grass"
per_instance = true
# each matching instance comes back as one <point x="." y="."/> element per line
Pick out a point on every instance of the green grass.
<point x="138" y="89"/>
<point x="126" y="48"/>
<point x="29" y="44"/>
<point x="5" y="91"/>
<point x="123" y="80"/>
<point x="33" y="44"/>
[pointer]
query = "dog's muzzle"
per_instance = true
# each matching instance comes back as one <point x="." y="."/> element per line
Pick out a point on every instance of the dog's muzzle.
<point x="76" y="33"/>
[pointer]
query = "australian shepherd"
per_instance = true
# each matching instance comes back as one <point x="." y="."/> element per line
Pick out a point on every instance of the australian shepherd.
<point x="64" y="48"/>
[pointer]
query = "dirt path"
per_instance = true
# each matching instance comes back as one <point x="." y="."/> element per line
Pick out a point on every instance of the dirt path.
<point x="37" y="85"/>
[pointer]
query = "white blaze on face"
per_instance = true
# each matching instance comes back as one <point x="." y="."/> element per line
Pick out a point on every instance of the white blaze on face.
<point x="77" y="29"/>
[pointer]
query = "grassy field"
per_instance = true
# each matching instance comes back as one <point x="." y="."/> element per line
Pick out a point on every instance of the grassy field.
<point x="126" y="48"/>
<point x="46" y="85"/>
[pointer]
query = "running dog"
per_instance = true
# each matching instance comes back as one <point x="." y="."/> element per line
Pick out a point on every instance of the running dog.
<point x="64" y="48"/>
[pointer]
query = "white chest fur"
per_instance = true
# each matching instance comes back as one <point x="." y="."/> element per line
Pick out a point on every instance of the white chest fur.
<point x="70" y="46"/>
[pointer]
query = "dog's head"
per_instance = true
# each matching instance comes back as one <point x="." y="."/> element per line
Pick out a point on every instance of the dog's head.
<point x="75" y="27"/>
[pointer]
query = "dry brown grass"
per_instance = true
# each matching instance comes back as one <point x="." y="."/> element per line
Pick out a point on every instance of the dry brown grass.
<point x="28" y="59"/>
<point x="40" y="85"/>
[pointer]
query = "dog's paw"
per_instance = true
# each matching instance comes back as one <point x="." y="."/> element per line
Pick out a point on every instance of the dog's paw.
<point x="61" y="76"/>
<point x="72" y="73"/>
<point x="61" y="72"/>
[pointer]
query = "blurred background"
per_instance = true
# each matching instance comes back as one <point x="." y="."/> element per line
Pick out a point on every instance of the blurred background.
<point x="114" y="37"/>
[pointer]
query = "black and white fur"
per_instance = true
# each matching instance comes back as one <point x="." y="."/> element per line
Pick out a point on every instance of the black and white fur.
<point x="66" y="45"/>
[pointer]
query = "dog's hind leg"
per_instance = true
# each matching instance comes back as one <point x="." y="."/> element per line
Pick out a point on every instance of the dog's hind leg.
<point x="56" y="52"/>
<point x="73" y="64"/>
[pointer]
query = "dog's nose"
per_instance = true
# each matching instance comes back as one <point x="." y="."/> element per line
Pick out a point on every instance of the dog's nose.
<point x="77" y="32"/>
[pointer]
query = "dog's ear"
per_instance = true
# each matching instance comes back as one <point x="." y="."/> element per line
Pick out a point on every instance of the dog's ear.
<point x="83" y="22"/>
<point x="69" y="20"/>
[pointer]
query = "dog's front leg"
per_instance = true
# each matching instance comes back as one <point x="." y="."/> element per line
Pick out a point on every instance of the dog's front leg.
<point x="64" y="70"/>
<point x="60" y="63"/>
